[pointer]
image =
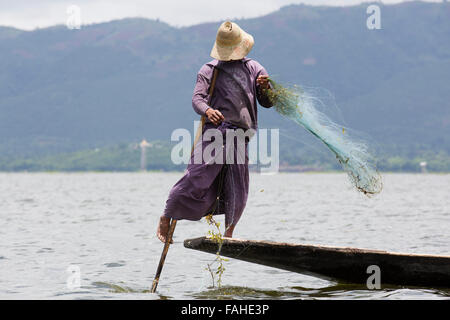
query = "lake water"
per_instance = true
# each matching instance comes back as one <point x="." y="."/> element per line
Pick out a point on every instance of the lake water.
<point x="102" y="227"/>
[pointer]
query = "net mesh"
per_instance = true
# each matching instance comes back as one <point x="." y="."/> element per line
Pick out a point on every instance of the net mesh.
<point x="301" y="106"/>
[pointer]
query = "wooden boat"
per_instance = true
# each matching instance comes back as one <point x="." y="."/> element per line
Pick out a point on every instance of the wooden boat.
<point x="335" y="263"/>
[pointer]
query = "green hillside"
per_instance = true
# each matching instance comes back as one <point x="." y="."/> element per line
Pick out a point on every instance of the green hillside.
<point x="64" y="92"/>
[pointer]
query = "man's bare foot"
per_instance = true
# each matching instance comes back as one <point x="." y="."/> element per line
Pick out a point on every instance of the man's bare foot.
<point x="163" y="228"/>
<point x="229" y="231"/>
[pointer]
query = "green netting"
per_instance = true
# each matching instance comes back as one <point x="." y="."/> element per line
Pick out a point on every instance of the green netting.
<point x="297" y="104"/>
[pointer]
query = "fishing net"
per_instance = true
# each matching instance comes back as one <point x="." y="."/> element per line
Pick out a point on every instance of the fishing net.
<point x="297" y="104"/>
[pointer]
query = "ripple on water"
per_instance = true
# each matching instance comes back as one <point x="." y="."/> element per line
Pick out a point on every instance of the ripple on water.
<point x="122" y="289"/>
<point x="114" y="288"/>
<point x="237" y="292"/>
<point x="26" y="200"/>
<point x="114" y="264"/>
<point x="45" y="250"/>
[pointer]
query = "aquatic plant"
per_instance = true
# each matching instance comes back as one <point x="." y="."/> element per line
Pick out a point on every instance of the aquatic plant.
<point x="216" y="235"/>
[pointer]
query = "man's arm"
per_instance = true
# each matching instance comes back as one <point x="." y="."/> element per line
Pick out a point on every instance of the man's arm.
<point x="263" y="84"/>
<point x="200" y="98"/>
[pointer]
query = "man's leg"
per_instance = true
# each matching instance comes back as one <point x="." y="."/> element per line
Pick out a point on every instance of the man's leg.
<point x="192" y="197"/>
<point x="229" y="231"/>
<point x="163" y="228"/>
<point x="235" y="195"/>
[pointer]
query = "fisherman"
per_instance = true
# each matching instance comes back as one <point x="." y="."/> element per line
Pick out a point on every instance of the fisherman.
<point x="220" y="188"/>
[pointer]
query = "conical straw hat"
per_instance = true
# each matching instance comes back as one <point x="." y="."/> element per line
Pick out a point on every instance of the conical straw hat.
<point x="232" y="43"/>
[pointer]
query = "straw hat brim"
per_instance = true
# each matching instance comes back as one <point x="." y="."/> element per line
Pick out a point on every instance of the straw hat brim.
<point x="236" y="52"/>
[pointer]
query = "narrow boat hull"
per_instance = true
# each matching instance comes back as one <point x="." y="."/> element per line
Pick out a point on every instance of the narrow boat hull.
<point x="335" y="263"/>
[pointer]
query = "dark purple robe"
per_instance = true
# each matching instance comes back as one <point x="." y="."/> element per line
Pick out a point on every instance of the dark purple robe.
<point x="220" y="188"/>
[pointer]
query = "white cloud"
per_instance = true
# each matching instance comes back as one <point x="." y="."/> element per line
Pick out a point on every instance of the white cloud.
<point x="29" y="14"/>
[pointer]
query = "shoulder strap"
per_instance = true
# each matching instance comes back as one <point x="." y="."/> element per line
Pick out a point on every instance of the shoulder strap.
<point x="213" y="84"/>
<point x="203" y="118"/>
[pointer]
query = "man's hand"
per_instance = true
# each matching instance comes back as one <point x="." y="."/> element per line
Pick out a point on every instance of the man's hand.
<point x="215" y="116"/>
<point x="263" y="81"/>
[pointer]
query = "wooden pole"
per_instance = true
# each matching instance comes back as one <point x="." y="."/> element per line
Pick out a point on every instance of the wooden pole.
<point x="173" y="221"/>
<point x="163" y="255"/>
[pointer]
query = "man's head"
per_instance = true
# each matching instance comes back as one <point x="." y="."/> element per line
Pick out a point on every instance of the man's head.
<point x="232" y="43"/>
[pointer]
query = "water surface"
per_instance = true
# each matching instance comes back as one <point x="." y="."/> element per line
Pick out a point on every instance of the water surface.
<point x="103" y="224"/>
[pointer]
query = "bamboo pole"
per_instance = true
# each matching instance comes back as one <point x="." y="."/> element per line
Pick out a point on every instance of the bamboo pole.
<point x="163" y="255"/>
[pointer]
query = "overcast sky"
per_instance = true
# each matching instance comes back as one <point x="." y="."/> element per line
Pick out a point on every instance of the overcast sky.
<point x="29" y="14"/>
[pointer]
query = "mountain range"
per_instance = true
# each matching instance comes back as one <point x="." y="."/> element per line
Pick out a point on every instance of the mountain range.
<point x="65" y="90"/>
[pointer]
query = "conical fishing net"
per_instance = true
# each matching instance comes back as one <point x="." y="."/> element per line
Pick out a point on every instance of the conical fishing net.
<point x="298" y="105"/>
